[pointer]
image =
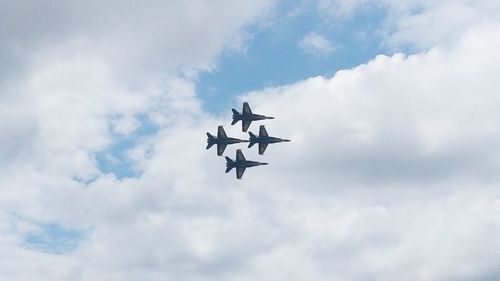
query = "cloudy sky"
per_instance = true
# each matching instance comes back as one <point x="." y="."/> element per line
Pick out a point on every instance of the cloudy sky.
<point x="392" y="107"/>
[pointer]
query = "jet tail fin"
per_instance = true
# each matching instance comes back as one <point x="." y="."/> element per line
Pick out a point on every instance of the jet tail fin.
<point x="210" y="140"/>
<point x="252" y="139"/>
<point x="236" y="116"/>
<point x="229" y="164"/>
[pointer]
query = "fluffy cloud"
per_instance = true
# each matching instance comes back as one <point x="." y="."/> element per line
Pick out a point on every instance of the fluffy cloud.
<point x="390" y="176"/>
<point x="152" y="35"/>
<point x="420" y="24"/>
<point x="380" y="108"/>
<point x="78" y="73"/>
<point x="77" y="77"/>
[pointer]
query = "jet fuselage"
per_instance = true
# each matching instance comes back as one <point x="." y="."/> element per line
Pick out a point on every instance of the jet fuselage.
<point x="245" y="164"/>
<point x="269" y="140"/>
<point x="225" y="140"/>
<point x="250" y="117"/>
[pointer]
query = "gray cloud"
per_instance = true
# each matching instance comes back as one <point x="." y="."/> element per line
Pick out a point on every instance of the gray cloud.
<point x="152" y="35"/>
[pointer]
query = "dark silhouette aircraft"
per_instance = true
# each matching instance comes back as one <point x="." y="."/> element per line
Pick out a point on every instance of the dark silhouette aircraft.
<point x="246" y="117"/>
<point x="240" y="164"/>
<point x="263" y="139"/>
<point x="221" y="140"/>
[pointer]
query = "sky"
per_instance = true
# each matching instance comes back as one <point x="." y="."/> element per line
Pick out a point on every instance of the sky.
<point x="391" y="106"/>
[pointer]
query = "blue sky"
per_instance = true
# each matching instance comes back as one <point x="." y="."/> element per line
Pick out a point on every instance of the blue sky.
<point x="113" y="159"/>
<point x="54" y="239"/>
<point x="272" y="55"/>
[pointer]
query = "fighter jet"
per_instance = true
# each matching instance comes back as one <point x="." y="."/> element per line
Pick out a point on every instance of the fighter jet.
<point x="240" y="164"/>
<point x="221" y="140"/>
<point x="246" y="117"/>
<point x="263" y="139"/>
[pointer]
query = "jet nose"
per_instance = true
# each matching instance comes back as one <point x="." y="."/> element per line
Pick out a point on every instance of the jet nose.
<point x="269" y="117"/>
<point x="286" y="140"/>
<point x="263" y="163"/>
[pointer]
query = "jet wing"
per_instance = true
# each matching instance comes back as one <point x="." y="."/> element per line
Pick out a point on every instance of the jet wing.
<point x="262" y="147"/>
<point x="262" y="131"/>
<point x="245" y="124"/>
<point x="239" y="155"/>
<point x="220" y="149"/>
<point x="239" y="172"/>
<point x="221" y="133"/>
<point x="246" y="108"/>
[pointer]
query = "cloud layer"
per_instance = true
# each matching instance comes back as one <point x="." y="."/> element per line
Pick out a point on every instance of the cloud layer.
<point x="391" y="174"/>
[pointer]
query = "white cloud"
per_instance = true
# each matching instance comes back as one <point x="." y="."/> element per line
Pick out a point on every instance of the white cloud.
<point x="155" y="35"/>
<point x="407" y="145"/>
<point x="419" y="24"/>
<point x="391" y="174"/>
<point x="73" y="74"/>
<point x="88" y="65"/>
<point x="428" y="23"/>
<point x="316" y="44"/>
<point x="417" y="129"/>
<point x="367" y="189"/>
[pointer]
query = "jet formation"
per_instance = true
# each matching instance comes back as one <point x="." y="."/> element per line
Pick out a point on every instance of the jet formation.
<point x="222" y="140"/>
